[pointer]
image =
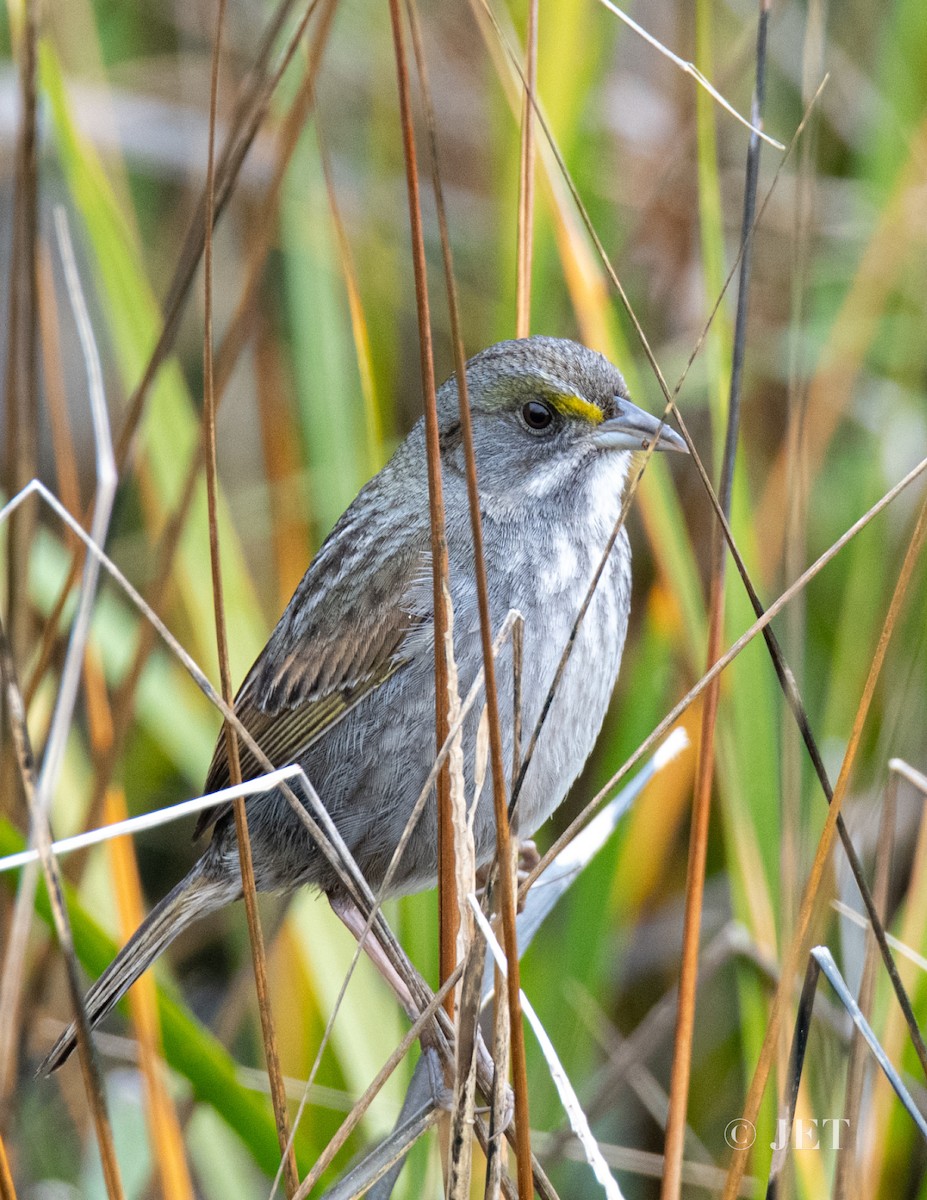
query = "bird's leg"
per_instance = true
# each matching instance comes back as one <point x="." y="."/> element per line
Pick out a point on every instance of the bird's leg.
<point x="528" y="859"/>
<point x="351" y="916"/>
<point x="355" y="921"/>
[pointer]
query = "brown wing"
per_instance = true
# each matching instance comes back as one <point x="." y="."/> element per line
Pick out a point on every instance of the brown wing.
<point x="341" y="637"/>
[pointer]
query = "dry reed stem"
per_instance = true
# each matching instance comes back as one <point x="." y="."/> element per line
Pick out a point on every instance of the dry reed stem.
<point x="246" y="119"/>
<point x="505" y="851"/>
<point x="786" y="679"/>
<point x="671" y="1186"/>
<point x="20" y="383"/>
<point x="690" y="69"/>
<point x="467" y="1035"/>
<point x="275" y="1075"/>
<point x="447" y="884"/>
<point x="41" y="835"/>
<point x="250" y="111"/>
<point x="794" y="952"/>
<point x="495" y="1153"/>
<point x="21" y="434"/>
<point x="164" y="1130"/>
<point x="66" y="698"/>
<point x="228" y="353"/>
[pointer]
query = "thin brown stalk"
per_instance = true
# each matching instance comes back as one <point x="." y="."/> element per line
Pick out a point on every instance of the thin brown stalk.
<point x="41" y="834"/>
<point x="275" y="1075"/>
<point x="518" y="652"/>
<point x="525" y="232"/>
<point x="674" y="1147"/>
<point x="785" y="676"/>
<point x="163" y="1125"/>
<point x="411" y="823"/>
<point x="504" y="847"/>
<point x="227" y="356"/>
<point x="674" y="1150"/>
<point x="796" y="474"/>
<point x="69" y="684"/>
<point x="20" y="399"/>
<point x="797" y="948"/>
<point x="447" y="884"/>
<point x="790" y="690"/>
<point x="460" y="1168"/>
<point x="22" y="323"/>
<point x="65" y="461"/>
<point x="250" y="111"/>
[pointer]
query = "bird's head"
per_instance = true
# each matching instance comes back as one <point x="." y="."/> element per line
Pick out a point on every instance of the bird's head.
<point x="548" y="414"/>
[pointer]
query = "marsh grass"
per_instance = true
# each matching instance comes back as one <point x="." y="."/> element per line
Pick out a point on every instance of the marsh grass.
<point x="316" y="331"/>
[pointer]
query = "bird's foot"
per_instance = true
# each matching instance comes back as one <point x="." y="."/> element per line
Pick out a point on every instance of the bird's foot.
<point x="528" y="859"/>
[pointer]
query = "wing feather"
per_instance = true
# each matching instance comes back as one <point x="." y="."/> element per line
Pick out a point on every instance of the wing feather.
<point x="340" y="638"/>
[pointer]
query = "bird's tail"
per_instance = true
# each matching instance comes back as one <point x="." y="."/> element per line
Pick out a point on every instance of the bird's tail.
<point x="197" y="894"/>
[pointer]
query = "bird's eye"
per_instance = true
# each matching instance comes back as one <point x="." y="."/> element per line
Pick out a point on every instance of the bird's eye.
<point x="537" y="415"/>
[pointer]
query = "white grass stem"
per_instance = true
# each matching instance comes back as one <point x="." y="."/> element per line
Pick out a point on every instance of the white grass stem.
<point x="690" y="69"/>
<point x="565" y="1090"/>
<point x="103" y="506"/>
<point x="153" y="820"/>
<point x="863" y="922"/>
<point x="909" y="773"/>
<point x="106" y="480"/>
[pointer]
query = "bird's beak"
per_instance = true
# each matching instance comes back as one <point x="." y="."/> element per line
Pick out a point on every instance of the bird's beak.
<point x="633" y="429"/>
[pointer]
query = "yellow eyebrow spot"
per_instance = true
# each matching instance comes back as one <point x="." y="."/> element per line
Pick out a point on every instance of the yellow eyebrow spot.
<point x="569" y="405"/>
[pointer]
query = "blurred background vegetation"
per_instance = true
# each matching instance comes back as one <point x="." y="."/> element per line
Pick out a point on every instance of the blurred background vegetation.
<point x="319" y="379"/>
